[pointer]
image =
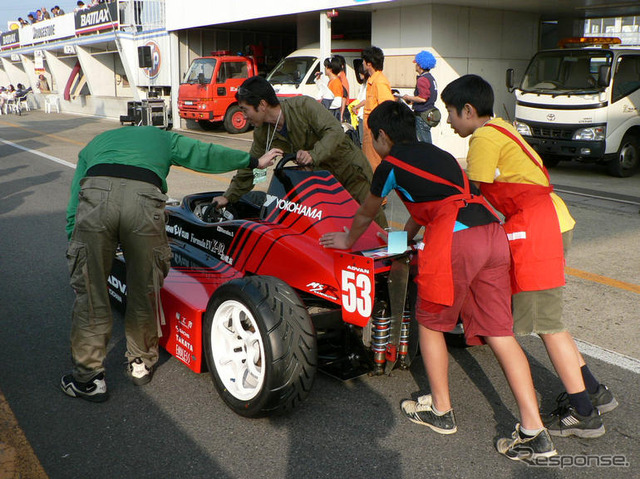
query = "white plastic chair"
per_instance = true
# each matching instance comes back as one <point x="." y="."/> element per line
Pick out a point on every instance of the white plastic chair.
<point x="22" y="103"/>
<point x="12" y="106"/>
<point x="50" y="102"/>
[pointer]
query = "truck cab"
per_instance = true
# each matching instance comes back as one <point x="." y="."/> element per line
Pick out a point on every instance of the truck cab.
<point x="207" y="94"/>
<point x="581" y="102"/>
<point x="295" y="74"/>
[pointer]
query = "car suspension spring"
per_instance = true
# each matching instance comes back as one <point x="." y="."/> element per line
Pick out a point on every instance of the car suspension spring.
<point x="403" y="349"/>
<point x="379" y="340"/>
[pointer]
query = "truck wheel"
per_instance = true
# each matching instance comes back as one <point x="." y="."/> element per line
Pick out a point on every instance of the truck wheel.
<point x="260" y="346"/>
<point x="626" y="161"/>
<point x="234" y="120"/>
<point x="207" y="125"/>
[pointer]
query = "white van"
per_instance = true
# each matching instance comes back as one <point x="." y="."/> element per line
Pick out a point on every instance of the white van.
<point x="295" y="74"/>
<point x="582" y="104"/>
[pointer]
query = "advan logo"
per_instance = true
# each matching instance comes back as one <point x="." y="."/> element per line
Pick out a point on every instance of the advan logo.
<point x="293" y="207"/>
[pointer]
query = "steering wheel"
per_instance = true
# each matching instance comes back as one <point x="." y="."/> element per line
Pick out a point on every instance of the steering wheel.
<point x="288" y="158"/>
<point x="211" y="213"/>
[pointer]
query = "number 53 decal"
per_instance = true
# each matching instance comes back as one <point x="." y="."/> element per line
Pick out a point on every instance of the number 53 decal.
<point x="355" y="274"/>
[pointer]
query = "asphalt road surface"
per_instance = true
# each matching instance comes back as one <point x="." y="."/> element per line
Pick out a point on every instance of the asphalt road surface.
<point x="178" y="427"/>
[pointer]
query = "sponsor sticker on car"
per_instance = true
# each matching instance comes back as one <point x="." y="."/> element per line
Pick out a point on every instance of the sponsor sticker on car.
<point x="355" y="275"/>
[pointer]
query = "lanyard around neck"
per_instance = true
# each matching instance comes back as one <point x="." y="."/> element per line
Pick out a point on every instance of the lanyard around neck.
<point x="271" y="136"/>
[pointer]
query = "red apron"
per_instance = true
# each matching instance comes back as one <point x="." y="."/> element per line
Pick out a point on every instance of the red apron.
<point x="435" y="278"/>
<point x="532" y="226"/>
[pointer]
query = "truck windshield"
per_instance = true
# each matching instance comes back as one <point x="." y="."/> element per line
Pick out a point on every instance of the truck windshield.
<point x="291" y="70"/>
<point x="565" y="71"/>
<point x="201" y="66"/>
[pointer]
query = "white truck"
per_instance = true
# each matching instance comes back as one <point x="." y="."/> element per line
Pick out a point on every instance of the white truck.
<point x="295" y="74"/>
<point x="582" y="103"/>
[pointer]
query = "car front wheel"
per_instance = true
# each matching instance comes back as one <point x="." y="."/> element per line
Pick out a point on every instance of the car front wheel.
<point x="260" y="346"/>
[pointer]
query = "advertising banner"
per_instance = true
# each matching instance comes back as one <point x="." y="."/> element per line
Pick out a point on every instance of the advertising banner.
<point x="103" y="16"/>
<point x="9" y="40"/>
<point x="47" y="30"/>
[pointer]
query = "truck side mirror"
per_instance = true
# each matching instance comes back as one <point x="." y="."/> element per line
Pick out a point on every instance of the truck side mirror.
<point x="603" y="75"/>
<point x="509" y="80"/>
<point x="201" y="78"/>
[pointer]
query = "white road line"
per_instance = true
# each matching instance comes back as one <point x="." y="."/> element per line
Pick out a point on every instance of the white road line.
<point x="608" y="356"/>
<point x="36" y="152"/>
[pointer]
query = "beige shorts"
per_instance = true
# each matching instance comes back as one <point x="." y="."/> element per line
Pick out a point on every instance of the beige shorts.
<point x="540" y="312"/>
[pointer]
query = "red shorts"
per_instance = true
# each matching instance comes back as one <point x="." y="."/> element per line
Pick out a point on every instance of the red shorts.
<point x="480" y="262"/>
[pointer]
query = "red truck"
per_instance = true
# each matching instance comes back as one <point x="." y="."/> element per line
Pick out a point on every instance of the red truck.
<point x="207" y="94"/>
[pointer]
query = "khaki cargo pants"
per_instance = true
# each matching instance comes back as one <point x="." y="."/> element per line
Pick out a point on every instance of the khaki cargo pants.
<point x="114" y="211"/>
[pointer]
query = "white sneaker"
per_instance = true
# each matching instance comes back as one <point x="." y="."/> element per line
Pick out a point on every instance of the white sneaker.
<point x="138" y="372"/>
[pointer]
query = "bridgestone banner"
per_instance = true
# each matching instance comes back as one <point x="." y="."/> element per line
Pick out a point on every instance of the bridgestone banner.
<point x="48" y="30"/>
<point x="99" y="17"/>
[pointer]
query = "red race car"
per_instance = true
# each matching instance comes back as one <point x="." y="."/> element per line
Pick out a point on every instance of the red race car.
<point x="252" y="296"/>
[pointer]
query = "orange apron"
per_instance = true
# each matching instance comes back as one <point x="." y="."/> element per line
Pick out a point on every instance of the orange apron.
<point x="435" y="277"/>
<point x="532" y="227"/>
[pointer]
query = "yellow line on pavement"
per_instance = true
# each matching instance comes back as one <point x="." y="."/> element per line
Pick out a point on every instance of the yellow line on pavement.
<point x="596" y="278"/>
<point x="50" y="135"/>
<point x="17" y="458"/>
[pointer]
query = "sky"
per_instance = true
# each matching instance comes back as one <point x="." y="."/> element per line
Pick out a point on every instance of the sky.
<point x="12" y="9"/>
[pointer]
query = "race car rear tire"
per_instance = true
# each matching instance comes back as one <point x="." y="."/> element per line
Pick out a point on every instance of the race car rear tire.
<point x="260" y="346"/>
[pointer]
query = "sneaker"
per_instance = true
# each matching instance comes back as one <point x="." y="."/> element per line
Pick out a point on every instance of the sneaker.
<point x="524" y="448"/>
<point x="421" y="412"/>
<point x="565" y="421"/>
<point x="138" y="372"/>
<point x="94" y="390"/>
<point x="603" y="400"/>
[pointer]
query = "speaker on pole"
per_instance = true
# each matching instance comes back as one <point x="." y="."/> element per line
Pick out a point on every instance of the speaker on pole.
<point x="144" y="57"/>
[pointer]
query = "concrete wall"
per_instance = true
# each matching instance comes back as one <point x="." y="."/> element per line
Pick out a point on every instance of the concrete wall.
<point x="463" y="40"/>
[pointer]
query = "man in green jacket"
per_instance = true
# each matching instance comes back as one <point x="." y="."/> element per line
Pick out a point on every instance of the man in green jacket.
<point x="302" y="126"/>
<point x="118" y="197"/>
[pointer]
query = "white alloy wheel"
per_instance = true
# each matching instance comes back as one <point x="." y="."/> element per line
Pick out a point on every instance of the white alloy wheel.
<point x="238" y="350"/>
<point x="260" y="345"/>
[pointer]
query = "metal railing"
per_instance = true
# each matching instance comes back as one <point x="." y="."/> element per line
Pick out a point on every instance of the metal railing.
<point x="139" y="15"/>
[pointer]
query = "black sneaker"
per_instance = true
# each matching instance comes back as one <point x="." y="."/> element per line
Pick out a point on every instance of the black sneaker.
<point x="421" y="412"/>
<point x="524" y="448"/>
<point x="139" y="373"/>
<point x="94" y="390"/>
<point x="565" y="421"/>
<point x="603" y="400"/>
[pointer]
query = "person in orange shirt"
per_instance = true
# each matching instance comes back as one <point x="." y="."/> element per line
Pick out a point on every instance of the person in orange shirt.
<point x="378" y="91"/>
<point x="345" y="83"/>
<point x="337" y="88"/>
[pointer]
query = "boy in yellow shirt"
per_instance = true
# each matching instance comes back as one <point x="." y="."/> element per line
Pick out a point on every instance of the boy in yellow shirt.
<point x="510" y="174"/>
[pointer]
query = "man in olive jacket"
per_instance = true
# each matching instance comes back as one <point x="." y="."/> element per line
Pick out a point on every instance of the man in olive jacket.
<point x="302" y="126"/>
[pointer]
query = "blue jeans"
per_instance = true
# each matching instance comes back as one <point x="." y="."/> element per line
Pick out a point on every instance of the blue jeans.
<point x="423" y="131"/>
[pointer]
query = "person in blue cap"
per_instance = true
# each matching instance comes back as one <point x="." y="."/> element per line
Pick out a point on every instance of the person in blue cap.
<point x="424" y="96"/>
